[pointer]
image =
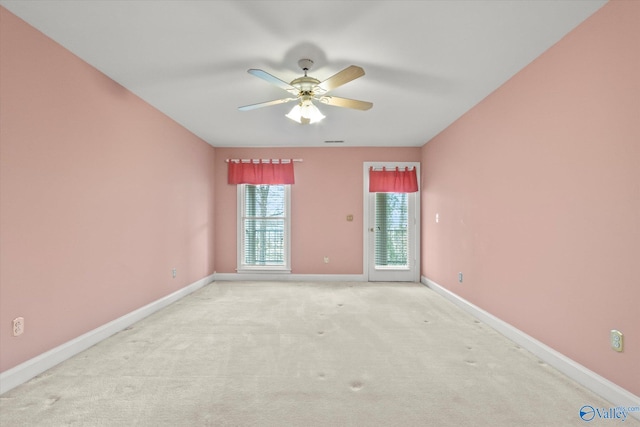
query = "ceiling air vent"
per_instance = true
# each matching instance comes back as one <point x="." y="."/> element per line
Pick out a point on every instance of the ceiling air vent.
<point x="334" y="141"/>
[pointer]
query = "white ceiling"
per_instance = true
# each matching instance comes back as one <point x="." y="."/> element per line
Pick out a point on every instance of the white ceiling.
<point x="426" y="62"/>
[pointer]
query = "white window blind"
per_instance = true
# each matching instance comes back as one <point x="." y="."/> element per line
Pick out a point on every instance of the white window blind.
<point x="391" y="232"/>
<point x="264" y="223"/>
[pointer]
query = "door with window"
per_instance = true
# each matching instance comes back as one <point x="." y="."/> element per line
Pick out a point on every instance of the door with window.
<point x="392" y="231"/>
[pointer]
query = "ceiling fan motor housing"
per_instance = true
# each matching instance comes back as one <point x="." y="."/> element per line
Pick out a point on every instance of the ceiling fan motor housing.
<point x="305" y="84"/>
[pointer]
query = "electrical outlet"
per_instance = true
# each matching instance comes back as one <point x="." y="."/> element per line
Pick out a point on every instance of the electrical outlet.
<point x="326" y="260"/>
<point x="174" y="273"/>
<point x="460" y="277"/>
<point x="616" y="340"/>
<point x="18" y="326"/>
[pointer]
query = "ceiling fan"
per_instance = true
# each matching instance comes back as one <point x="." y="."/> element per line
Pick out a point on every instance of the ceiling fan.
<point x="306" y="89"/>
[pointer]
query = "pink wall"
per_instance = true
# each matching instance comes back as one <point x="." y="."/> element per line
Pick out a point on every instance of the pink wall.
<point x="538" y="192"/>
<point x="102" y="196"/>
<point x="329" y="186"/>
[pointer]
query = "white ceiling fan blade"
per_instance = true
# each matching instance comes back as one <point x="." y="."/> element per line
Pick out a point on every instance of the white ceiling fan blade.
<point x="345" y="76"/>
<point x="265" y="104"/>
<point x="273" y="80"/>
<point x="346" y="102"/>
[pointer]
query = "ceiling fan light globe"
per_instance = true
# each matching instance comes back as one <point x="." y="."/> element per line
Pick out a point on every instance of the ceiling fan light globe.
<point x="316" y="117"/>
<point x="305" y="113"/>
<point x="295" y="114"/>
<point x="311" y="112"/>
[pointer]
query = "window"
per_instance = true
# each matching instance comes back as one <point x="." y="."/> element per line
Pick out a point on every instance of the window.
<point x="263" y="228"/>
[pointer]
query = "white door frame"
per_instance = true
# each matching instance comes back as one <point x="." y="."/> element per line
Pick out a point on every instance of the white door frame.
<point x="367" y="236"/>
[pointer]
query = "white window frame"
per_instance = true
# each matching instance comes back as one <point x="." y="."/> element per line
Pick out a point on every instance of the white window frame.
<point x="247" y="268"/>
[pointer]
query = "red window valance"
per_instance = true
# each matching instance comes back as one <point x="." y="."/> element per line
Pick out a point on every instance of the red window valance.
<point x="393" y="181"/>
<point x="261" y="172"/>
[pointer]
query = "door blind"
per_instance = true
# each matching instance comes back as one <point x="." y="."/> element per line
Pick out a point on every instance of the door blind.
<point x="391" y="230"/>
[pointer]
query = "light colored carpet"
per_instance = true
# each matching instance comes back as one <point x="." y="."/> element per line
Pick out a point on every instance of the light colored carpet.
<point x="304" y="354"/>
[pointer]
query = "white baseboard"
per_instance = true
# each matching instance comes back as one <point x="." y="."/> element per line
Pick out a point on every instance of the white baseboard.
<point x="280" y="277"/>
<point x="22" y="373"/>
<point x="587" y="378"/>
